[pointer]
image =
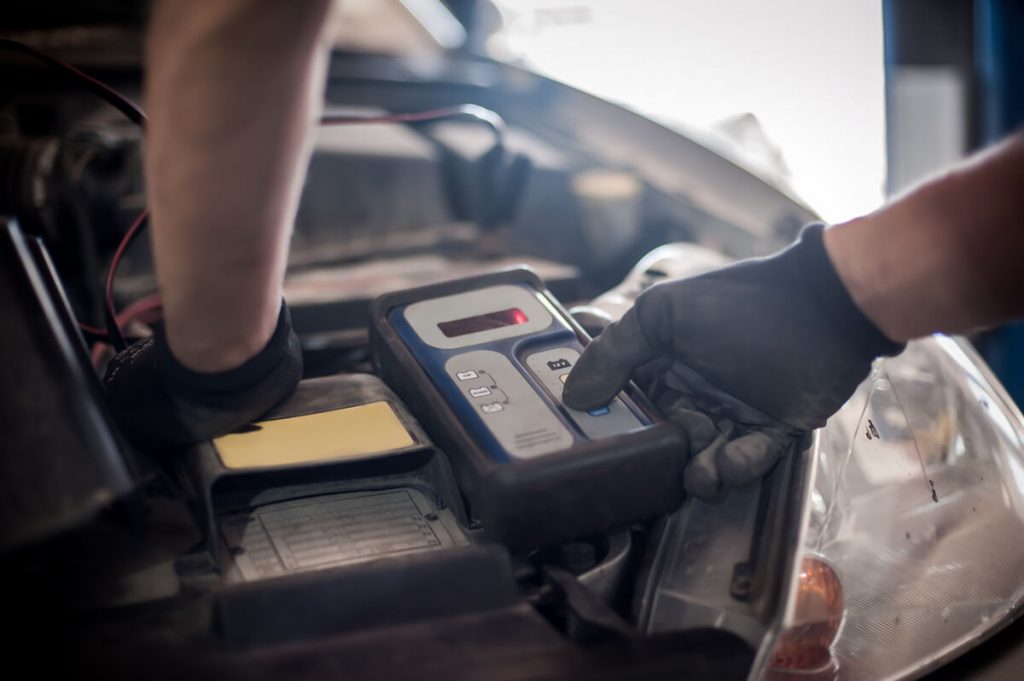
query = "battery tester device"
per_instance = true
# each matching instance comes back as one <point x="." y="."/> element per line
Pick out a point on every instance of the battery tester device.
<point x="482" y="362"/>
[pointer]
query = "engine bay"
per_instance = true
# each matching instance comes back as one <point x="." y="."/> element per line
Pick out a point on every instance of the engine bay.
<point x="344" y="533"/>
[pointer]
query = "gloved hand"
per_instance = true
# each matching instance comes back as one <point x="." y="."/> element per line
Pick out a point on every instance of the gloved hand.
<point x="745" y="359"/>
<point x="161" y="404"/>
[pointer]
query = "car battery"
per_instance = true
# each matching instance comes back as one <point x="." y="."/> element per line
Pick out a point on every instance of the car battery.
<point x="340" y="473"/>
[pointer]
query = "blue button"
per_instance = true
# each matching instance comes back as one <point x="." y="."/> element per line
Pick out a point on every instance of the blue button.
<point x="600" y="411"/>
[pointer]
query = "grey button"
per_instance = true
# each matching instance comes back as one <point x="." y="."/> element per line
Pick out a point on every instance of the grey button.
<point x="524" y="425"/>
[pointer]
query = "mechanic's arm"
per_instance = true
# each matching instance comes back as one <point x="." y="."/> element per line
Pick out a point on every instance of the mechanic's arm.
<point x="749" y="357"/>
<point x="947" y="256"/>
<point x="233" y="89"/>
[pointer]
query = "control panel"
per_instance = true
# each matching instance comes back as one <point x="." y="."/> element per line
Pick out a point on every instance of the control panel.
<point x="507" y="354"/>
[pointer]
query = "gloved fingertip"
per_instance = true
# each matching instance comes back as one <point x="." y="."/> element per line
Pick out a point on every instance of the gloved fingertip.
<point x="700" y="479"/>
<point x="748" y="458"/>
<point x="595" y="379"/>
<point x="585" y="391"/>
<point x="607" y="364"/>
<point x="699" y="428"/>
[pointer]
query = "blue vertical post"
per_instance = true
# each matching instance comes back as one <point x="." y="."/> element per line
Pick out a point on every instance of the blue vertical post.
<point x="999" y="42"/>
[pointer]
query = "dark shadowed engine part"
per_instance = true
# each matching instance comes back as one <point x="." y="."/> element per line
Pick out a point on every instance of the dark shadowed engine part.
<point x="27" y="179"/>
<point x="68" y="466"/>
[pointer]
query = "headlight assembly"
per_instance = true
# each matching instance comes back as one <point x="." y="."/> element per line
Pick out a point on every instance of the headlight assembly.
<point x="913" y="544"/>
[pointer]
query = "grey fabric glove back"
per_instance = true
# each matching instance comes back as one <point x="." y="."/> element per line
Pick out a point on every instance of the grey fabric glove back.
<point x="745" y="359"/>
<point x="161" y="404"/>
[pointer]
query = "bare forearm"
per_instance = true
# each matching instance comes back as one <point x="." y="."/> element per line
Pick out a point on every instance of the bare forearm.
<point x="946" y="256"/>
<point x="233" y="89"/>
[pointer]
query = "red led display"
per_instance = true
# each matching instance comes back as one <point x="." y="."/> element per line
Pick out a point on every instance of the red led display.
<point x="513" y="316"/>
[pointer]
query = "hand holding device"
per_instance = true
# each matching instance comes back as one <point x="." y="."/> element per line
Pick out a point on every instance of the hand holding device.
<point x="162" y="404"/>
<point x="744" y="358"/>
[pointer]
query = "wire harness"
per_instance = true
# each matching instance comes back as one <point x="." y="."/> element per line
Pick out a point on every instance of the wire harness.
<point x="114" y="321"/>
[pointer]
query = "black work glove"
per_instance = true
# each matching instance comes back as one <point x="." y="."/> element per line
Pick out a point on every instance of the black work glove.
<point x="745" y="359"/>
<point x="161" y="404"/>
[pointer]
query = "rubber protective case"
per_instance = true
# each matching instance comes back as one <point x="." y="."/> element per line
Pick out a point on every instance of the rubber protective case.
<point x="594" y="487"/>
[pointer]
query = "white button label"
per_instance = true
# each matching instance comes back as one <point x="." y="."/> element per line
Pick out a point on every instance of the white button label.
<point x="466" y="375"/>
<point x="480" y="392"/>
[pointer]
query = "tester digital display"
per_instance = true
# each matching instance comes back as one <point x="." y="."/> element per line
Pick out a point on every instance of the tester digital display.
<point x="483" y="322"/>
<point x="482" y="363"/>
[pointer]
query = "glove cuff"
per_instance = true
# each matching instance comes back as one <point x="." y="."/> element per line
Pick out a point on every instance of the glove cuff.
<point x="809" y="260"/>
<point x="201" y="386"/>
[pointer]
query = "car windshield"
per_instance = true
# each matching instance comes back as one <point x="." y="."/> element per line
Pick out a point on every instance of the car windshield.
<point x="785" y="87"/>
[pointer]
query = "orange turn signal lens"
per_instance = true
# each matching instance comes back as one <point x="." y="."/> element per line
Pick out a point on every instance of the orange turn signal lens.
<point x="804" y="646"/>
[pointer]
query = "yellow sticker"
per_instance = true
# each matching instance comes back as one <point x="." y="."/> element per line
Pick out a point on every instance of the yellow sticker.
<point x="349" y="433"/>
